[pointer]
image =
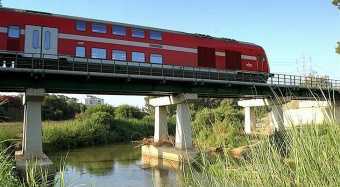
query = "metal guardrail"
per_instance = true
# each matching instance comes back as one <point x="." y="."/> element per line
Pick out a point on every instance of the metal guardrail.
<point x="60" y="63"/>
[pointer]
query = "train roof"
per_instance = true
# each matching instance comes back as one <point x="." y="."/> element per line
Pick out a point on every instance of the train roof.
<point x="129" y="25"/>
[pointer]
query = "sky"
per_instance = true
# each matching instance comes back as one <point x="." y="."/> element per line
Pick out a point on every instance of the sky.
<point x="299" y="36"/>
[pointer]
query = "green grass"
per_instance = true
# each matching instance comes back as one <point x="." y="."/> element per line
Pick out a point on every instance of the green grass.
<point x="7" y="177"/>
<point x="305" y="156"/>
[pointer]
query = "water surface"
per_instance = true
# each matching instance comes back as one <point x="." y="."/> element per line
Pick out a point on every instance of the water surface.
<point x="112" y="165"/>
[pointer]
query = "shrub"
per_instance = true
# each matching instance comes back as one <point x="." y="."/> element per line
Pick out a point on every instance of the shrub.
<point x="220" y="126"/>
<point x="127" y="112"/>
<point x="100" y="108"/>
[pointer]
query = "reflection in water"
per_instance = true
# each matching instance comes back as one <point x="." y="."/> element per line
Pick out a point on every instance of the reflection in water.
<point x="114" y="165"/>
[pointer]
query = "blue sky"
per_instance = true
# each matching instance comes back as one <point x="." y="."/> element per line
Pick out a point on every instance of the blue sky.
<point x="292" y="32"/>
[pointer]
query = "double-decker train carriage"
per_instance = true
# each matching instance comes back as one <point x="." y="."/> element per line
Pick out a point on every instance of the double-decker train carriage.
<point x="28" y="34"/>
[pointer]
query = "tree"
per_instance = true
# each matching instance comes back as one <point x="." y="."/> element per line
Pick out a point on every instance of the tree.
<point x="59" y="107"/>
<point x="337" y="3"/>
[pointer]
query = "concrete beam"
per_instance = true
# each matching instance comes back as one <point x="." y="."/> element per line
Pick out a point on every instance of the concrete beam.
<point x="172" y="100"/>
<point x="161" y="126"/>
<point x="183" y="127"/>
<point x="252" y="102"/>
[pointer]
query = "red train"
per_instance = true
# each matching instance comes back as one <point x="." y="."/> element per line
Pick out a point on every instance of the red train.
<point x="30" y="32"/>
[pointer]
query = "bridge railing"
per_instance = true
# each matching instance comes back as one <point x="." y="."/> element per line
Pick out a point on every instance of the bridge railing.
<point x="61" y="63"/>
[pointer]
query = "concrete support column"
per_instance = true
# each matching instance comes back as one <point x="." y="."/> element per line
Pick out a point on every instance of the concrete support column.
<point x="32" y="150"/>
<point x="250" y="120"/>
<point x="277" y="116"/>
<point x="161" y="126"/>
<point x="183" y="127"/>
<point x="32" y="127"/>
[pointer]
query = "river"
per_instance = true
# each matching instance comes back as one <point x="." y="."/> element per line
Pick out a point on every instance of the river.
<point x="111" y="165"/>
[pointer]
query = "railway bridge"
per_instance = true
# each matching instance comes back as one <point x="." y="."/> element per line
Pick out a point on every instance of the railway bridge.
<point x="173" y="85"/>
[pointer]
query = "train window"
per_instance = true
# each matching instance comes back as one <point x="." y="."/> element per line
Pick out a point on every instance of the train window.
<point x="47" y="41"/>
<point x="35" y="39"/>
<point x="118" y="30"/>
<point x="138" y="33"/>
<point x="81" y="26"/>
<point x="156" y="59"/>
<point x="98" y="53"/>
<point x="155" y="35"/>
<point x="138" y="57"/>
<point x="98" y="27"/>
<point x="13" y="31"/>
<point x="118" y="55"/>
<point x="80" y="52"/>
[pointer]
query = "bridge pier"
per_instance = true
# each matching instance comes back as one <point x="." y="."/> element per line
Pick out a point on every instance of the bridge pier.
<point x="250" y="120"/>
<point x="277" y="115"/>
<point x="183" y="141"/>
<point x="183" y="127"/>
<point x="32" y="150"/>
<point x="161" y="123"/>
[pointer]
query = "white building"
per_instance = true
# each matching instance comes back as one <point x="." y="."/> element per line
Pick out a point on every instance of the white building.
<point x="92" y="100"/>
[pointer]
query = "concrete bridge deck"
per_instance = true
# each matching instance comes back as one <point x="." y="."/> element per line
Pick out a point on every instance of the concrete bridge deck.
<point x="92" y="76"/>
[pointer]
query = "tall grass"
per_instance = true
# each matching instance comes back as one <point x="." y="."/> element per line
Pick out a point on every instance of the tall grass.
<point x="7" y="177"/>
<point x="311" y="157"/>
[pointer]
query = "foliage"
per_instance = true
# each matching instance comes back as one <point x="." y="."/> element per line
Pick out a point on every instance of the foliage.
<point x="96" y="126"/>
<point x="338" y="48"/>
<point x="313" y="159"/>
<point x="11" y="108"/>
<point x="7" y="177"/>
<point x="336" y="3"/>
<point x="220" y="126"/>
<point x="99" y="108"/>
<point x="128" y="112"/>
<point x="59" y="107"/>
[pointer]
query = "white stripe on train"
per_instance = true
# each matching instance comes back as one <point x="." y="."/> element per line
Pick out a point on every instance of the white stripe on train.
<point x="132" y="43"/>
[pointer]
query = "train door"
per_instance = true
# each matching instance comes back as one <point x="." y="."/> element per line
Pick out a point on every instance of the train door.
<point x="206" y="57"/>
<point x="233" y="60"/>
<point x="41" y="42"/>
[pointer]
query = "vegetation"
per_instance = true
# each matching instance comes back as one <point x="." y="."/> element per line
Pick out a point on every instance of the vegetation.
<point x="97" y="125"/>
<point x="54" y="107"/>
<point x="312" y="159"/>
<point x="224" y="120"/>
<point x="7" y="177"/>
<point x="59" y="107"/>
<point x="336" y="3"/>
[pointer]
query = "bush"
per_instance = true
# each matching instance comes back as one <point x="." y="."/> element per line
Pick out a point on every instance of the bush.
<point x="220" y="126"/>
<point x="96" y="126"/>
<point x="100" y="108"/>
<point x="128" y="112"/>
